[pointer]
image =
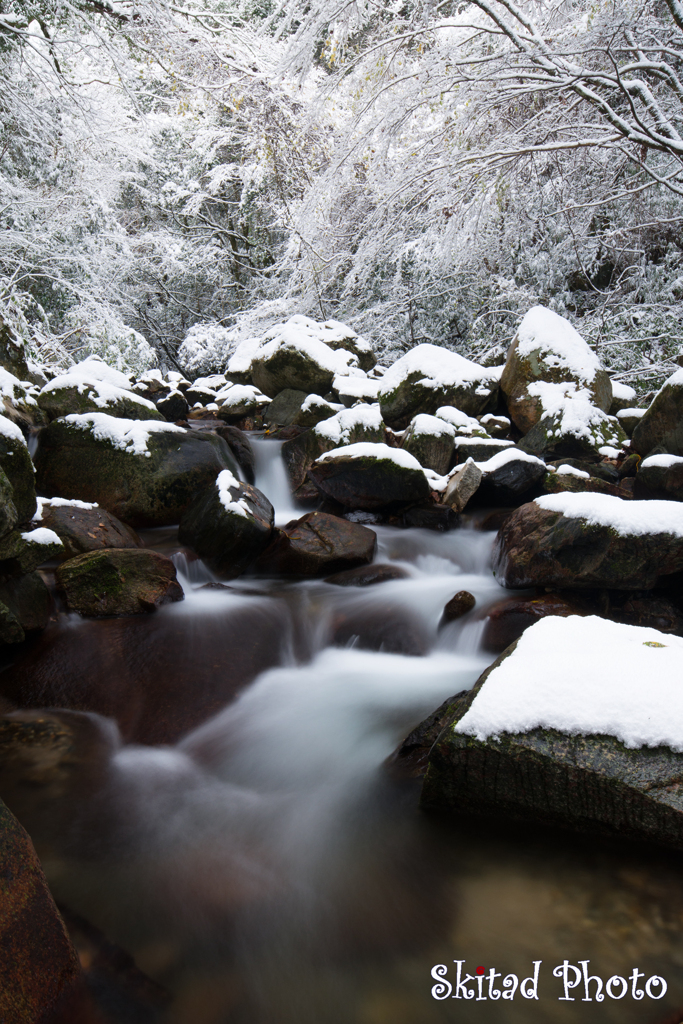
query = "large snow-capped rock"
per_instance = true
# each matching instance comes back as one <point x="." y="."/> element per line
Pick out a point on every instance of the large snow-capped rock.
<point x="660" y="476"/>
<point x="571" y="424"/>
<point x="144" y="472"/>
<point x="577" y="724"/>
<point x="228" y="525"/>
<point x="15" y="462"/>
<point x="589" y="540"/>
<point x="293" y="355"/>
<point x="660" y="430"/>
<point x="348" y="426"/>
<point x="431" y="440"/>
<point x="370" y="476"/>
<point x="92" y="386"/>
<point x="428" y="377"/>
<point x="548" y="349"/>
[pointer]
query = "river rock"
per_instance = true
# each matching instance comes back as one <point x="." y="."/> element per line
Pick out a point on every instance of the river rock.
<point x="145" y="473"/>
<point x="318" y="544"/>
<point x="240" y="446"/>
<point x="386" y="627"/>
<point x="340" y="336"/>
<point x="463" y="485"/>
<point x="293" y="356"/>
<point x="661" y="428"/>
<point x="496" y="426"/>
<point x="16" y="463"/>
<point x="507" y="620"/>
<point x="158" y="676"/>
<point x="509" y="475"/>
<point x="369" y="476"/>
<point x="118" y="581"/>
<point x="427" y="515"/>
<point x="572" y="426"/>
<point x="428" y="377"/>
<point x="173" y="406"/>
<point x="228" y="525"/>
<point x="547" y="349"/>
<point x="660" y="476"/>
<point x="8" y="512"/>
<point x="285" y="407"/>
<point x="480" y="448"/>
<point x="460" y="604"/>
<point x="82" y="526"/>
<point x="589" y="540"/>
<point x="463" y="425"/>
<point x="25" y="606"/>
<point x="562" y="477"/>
<point x="77" y="392"/>
<point x="314" y="410"/>
<point x="351" y="390"/>
<point x="561" y="730"/>
<point x="348" y="426"/>
<point x="367" y="575"/>
<point x="39" y="966"/>
<point x="629" y="419"/>
<point x="431" y="440"/>
<point x="239" y="400"/>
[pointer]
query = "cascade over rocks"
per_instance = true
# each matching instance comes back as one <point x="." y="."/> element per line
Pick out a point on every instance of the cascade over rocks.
<point x="548" y="350"/>
<point x="661" y="428"/>
<point x="316" y="545"/>
<point x="388" y="627"/>
<point x="84" y="527"/>
<point x="145" y="473"/>
<point x="348" y="426"/>
<point x="538" y="738"/>
<point x="589" y="540"/>
<point x="367" y="576"/>
<point x="240" y="446"/>
<point x="369" y="476"/>
<point x="228" y="525"/>
<point x="428" y="377"/>
<point x="118" y="581"/>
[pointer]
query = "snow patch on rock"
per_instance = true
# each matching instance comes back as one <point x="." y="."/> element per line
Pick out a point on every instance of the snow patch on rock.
<point x="627" y="518"/>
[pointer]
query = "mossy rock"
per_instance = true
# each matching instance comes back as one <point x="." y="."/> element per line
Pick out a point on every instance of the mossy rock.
<point x="150" y="488"/>
<point x="585" y="783"/>
<point x="289" y="366"/>
<point x="120" y="581"/>
<point x="551" y="439"/>
<point x="16" y="463"/>
<point x="8" y="511"/>
<point x="86" y="529"/>
<point x="432" y="446"/>
<point x="79" y="398"/>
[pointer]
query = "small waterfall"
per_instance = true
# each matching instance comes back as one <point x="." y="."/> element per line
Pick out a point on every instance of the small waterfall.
<point x="272" y="479"/>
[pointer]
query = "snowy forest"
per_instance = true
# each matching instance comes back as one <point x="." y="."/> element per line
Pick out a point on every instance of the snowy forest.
<point x="176" y="178"/>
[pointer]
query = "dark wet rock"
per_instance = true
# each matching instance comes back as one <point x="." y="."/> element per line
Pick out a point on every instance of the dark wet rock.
<point x="38" y="966"/>
<point x="51" y="764"/>
<point x="480" y="449"/>
<point x="428" y="516"/>
<point x="8" y="512"/>
<point x="371" y="481"/>
<point x="285" y="407"/>
<point x="205" y="396"/>
<point x="368" y="575"/>
<point x="431" y="441"/>
<point x="559" y="483"/>
<point x="428" y="377"/>
<point x="314" y="410"/>
<point x="463" y="485"/>
<point x="229" y="525"/>
<point x="629" y="466"/>
<point x="85" y="529"/>
<point x="300" y="452"/>
<point x="157" y="676"/>
<point x="173" y="406"/>
<point x="152" y="488"/>
<point x="542" y="359"/>
<point x="494" y="520"/>
<point x="629" y="420"/>
<point x="496" y="426"/>
<point x="118" y="581"/>
<point x="25" y="606"/>
<point x="318" y="544"/>
<point x="508" y="619"/>
<point x="586" y="783"/>
<point x="657" y="479"/>
<point x="542" y="547"/>
<point x="655" y="611"/>
<point x="385" y="627"/>
<point x="348" y="427"/>
<point x="287" y="433"/>
<point x="240" y="446"/>
<point x="606" y="471"/>
<point x="460" y="604"/>
<point x="15" y="462"/>
<point x="22" y="553"/>
<point x="661" y="428"/>
<point x="411" y="758"/>
<point x="506" y="483"/>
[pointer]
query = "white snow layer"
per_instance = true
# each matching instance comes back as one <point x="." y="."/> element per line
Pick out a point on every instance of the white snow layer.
<point x="572" y="471"/>
<point x="661" y="461"/>
<point x="300" y="334"/>
<point x="576" y="414"/>
<point x="623" y="392"/>
<point x="630" y="413"/>
<point x="463" y="423"/>
<point x="434" y="426"/>
<point x="224" y="481"/>
<point x="9" y="429"/>
<point x="559" y="342"/>
<point x="59" y="502"/>
<point x="102" y="392"/>
<point x="356" y="387"/>
<point x="95" y="368"/>
<point x="41" y="535"/>
<point x="502" y="459"/>
<point x="585" y="676"/>
<point x="627" y="518"/>
<point x="128" y="435"/>
<point x="438" y="367"/>
<point x="368" y="450"/>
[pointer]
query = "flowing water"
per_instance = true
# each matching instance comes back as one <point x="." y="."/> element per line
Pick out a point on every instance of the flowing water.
<point x="268" y="869"/>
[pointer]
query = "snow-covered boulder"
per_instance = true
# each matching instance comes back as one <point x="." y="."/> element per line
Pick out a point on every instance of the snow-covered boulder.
<point x="495" y="426"/>
<point x="173" y="406"/>
<point x="589" y="540"/>
<point x="661" y="428"/>
<point x="228" y="525"/>
<point x="577" y="724"/>
<point x="571" y="424"/>
<point x="369" y="476"/>
<point x="92" y="386"/>
<point x="18" y="401"/>
<point x="629" y="419"/>
<point x="547" y="349"/>
<point x="463" y="425"/>
<point x="623" y="397"/>
<point x="340" y="336"/>
<point x="431" y="440"/>
<point x="354" y="389"/>
<point x="292" y="355"/>
<point x="146" y="473"/>
<point x="509" y="475"/>
<point x="480" y="448"/>
<point x="238" y="400"/>
<point x="428" y="377"/>
<point x="314" y="410"/>
<point x="660" y="476"/>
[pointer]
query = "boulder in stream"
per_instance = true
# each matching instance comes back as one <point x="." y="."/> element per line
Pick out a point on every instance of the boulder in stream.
<point x="83" y="526"/>
<point x="318" y="544"/>
<point x="576" y="725"/>
<point x="16" y="464"/>
<point x="369" y="476"/>
<point x="118" y="581"/>
<point x="660" y="476"/>
<point x="229" y="525"/>
<point x="431" y="440"/>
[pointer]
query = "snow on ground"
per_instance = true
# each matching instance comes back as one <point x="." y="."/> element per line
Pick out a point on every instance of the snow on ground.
<point x="369" y="450"/>
<point x="130" y="436"/>
<point x="559" y="342"/>
<point x="627" y="518"/>
<point x="585" y="676"/>
<point x="356" y="387"/>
